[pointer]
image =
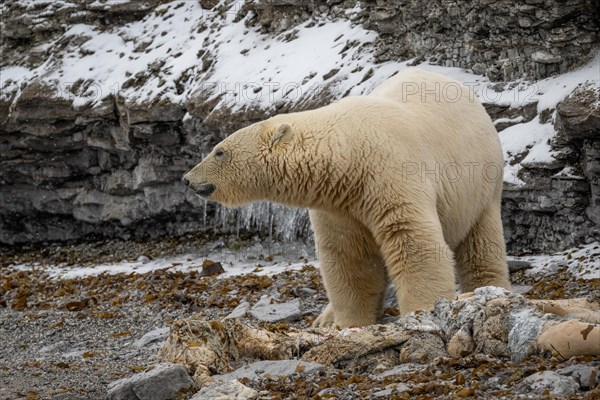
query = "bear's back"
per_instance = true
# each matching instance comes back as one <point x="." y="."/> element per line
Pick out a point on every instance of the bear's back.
<point x="432" y="98"/>
<point x="417" y="85"/>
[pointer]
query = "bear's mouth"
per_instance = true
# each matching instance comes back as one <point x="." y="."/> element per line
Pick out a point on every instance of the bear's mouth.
<point x="205" y="189"/>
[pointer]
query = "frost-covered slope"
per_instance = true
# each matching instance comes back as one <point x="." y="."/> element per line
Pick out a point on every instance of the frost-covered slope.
<point x="180" y="49"/>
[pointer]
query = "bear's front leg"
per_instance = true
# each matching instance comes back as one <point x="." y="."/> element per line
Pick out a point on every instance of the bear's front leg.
<point x="326" y="319"/>
<point x="418" y="260"/>
<point x="352" y="270"/>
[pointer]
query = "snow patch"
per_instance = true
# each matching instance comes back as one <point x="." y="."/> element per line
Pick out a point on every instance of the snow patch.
<point x="583" y="262"/>
<point x="234" y="262"/>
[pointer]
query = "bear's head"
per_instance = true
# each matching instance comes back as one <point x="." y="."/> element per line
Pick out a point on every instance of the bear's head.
<point x="246" y="166"/>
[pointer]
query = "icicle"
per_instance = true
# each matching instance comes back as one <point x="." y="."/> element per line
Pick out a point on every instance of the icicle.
<point x="204" y="215"/>
<point x="277" y="221"/>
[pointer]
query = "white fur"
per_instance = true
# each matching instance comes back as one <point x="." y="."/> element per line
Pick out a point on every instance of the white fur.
<point x="400" y="184"/>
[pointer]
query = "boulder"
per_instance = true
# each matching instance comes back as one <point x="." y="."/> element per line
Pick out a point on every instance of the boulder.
<point x="161" y="383"/>
<point x="551" y="381"/>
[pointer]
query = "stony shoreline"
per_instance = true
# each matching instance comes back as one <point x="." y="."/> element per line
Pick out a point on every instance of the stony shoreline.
<point x="69" y="338"/>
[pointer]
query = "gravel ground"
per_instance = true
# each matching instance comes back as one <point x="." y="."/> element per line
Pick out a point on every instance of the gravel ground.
<point x="67" y="339"/>
<point x="70" y="355"/>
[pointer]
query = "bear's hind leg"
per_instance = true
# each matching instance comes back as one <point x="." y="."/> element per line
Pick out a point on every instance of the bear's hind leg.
<point x="481" y="256"/>
<point x="352" y="270"/>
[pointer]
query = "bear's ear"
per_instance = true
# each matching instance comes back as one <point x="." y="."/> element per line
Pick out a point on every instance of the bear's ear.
<point x="282" y="133"/>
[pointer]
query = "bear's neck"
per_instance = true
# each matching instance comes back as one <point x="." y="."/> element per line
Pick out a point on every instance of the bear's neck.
<point x="315" y="182"/>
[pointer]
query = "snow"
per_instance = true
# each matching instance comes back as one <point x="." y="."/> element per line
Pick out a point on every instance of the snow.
<point x="285" y="257"/>
<point x="583" y="262"/>
<point x="569" y="173"/>
<point x="531" y="136"/>
<point x="507" y="120"/>
<point x="517" y="138"/>
<point x="547" y="92"/>
<point x="102" y="3"/>
<point x="47" y="4"/>
<point x="170" y="40"/>
<point x="284" y="68"/>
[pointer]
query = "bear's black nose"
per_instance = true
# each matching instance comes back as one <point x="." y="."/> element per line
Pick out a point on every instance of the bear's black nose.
<point x="186" y="181"/>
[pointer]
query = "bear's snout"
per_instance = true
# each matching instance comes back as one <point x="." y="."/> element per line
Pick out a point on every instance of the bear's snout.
<point x="202" y="189"/>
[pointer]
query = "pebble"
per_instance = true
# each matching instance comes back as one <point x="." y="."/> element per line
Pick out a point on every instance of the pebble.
<point x="58" y="346"/>
<point x="55" y="340"/>
<point x="518" y="265"/>
<point x="61" y="355"/>
<point x="390" y="390"/>
<point x="402" y="369"/>
<point x="211" y="268"/>
<point x="306" y="292"/>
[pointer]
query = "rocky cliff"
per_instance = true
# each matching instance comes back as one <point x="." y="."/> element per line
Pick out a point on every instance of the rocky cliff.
<point x="105" y="104"/>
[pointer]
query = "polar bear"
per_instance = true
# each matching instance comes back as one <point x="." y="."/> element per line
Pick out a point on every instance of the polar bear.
<point x="403" y="185"/>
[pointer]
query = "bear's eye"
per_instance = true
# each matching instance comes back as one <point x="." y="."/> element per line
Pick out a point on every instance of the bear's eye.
<point x="219" y="153"/>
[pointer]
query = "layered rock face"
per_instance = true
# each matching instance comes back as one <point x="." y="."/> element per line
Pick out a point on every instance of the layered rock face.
<point x="505" y="40"/>
<point x="68" y="173"/>
<point x="104" y="168"/>
<point x="103" y="108"/>
<point x="560" y="204"/>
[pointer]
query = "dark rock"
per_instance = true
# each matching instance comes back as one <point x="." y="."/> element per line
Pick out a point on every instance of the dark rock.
<point x="553" y="207"/>
<point x="134" y="113"/>
<point x="27" y="107"/>
<point x="330" y="74"/>
<point x="545" y="57"/>
<point x="518" y="265"/>
<point x="211" y="268"/>
<point x="580" y="114"/>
